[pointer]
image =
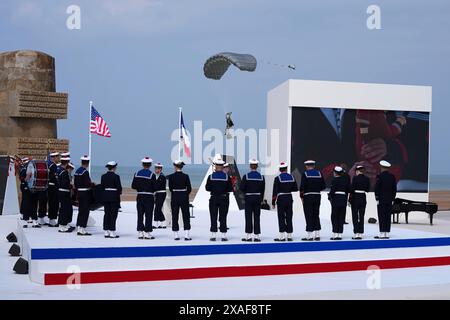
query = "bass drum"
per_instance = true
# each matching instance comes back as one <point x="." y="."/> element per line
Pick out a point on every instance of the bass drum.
<point x="37" y="175"/>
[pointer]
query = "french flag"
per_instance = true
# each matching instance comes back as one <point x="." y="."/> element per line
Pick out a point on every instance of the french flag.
<point x="184" y="137"/>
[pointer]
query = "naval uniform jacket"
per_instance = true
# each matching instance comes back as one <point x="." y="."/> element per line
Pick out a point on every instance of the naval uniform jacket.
<point x="144" y="182"/>
<point x="219" y="184"/>
<point x="360" y="186"/>
<point x="283" y="186"/>
<point x="385" y="188"/>
<point x="311" y="185"/>
<point x="253" y="184"/>
<point x="112" y="187"/>
<point x="179" y="183"/>
<point x="160" y="184"/>
<point x="340" y="188"/>
<point x="82" y="180"/>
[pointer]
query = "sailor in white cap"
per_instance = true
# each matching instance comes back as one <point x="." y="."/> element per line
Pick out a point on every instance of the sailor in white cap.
<point x="83" y="185"/>
<point x="52" y="191"/>
<point x="160" y="196"/>
<point x="112" y="189"/>
<point x="180" y="188"/>
<point x="253" y="186"/>
<point x="144" y="183"/>
<point x="65" y="196"/>
<point x="25" y="204"/>
<point x="385" y="193"/>
<point x="312" y="183"/>
<point x="283" y="186"/>
<point x="65" y="154"/>
<point x="360" y="186"/>
<point x="219" y="185"/>
<point x="338" y="195"/>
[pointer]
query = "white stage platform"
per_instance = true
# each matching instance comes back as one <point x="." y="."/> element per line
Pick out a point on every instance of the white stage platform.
<point x="57" y="259"/>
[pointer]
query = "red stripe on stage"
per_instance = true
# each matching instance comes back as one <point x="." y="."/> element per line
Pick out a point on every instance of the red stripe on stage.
<point x="238" y="271"/>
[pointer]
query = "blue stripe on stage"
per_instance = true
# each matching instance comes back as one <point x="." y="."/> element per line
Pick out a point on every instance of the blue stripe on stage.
<point x="193" y="250"/>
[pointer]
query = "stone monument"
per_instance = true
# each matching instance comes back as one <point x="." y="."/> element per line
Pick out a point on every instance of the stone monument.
<point x="30" y="105"/>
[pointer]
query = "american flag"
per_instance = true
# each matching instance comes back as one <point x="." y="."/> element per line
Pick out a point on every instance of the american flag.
<point x="98" y="125"/>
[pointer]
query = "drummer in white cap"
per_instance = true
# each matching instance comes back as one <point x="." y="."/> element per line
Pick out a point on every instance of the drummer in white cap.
<point x="253" y="186"/>
<point x="144" y="183"/>
<point x="385" y="193"/>
<point x="112" y="189"/>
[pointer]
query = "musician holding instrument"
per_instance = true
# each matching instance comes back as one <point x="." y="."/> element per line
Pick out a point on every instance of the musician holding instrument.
<point x="83" y="185"/>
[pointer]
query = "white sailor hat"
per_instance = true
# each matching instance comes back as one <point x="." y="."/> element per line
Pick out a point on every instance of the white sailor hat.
<point x="54" y="154"/>
<point x="147" y="160"/>
<point x="282" y="165"/>
<point x="219" y="162"/>
<point x="85" y="158"/>
<point x="71" y="165"/>
<point x="253" y="161"/>
<point x="65" y="154"/>
<point x="385" y="164"/>
<point x="178" y="162"/>
<point x="65" y="158"/>
<point x="338" y="169"/>
<point x="159" y="165"/>
<point x="310" y="162"/>
<point x="26" y="159"/>
<point x="111" y="164"/>
<point x="360" y="167"/>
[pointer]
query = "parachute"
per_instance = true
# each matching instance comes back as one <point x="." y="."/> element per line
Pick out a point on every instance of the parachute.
<point x="216" y="66"/>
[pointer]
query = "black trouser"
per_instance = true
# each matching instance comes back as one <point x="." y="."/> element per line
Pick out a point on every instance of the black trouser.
<point x="384" y="216"/>
<point x="145" y="204"/>
<point x="42" y="211"/>
<point x="84" y="205"/>
<point x="252" y="214"/>
<point x="25" y="204"/>
<point x="53" y="202"/>
<point x="284" y="210"/>
<point x="338" y="218"/>
<point x="110" y="217"/>
<point x="218" y="207"/>
<point x="311" y="209"/>
<point x="65" y="208"/>
<point x="179" y="200"/>
<point x="358" y="212"/>
<point x="160" y="197"/>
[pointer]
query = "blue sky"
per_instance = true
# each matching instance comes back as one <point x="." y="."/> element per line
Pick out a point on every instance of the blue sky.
<point x="139" y="60"/>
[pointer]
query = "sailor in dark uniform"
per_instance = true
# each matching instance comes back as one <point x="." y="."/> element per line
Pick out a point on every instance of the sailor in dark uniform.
<point x="112" y="189"/>
<point x="338" y="195"/>
<point x="180" y="187"/>
<point x="312" y="183"/>
<point x="253" y="185"/>
<point x="360" y="186"/>
<point x="219" y="185"/>
<point x="283" y="186"/>
<point x="52" y="191"/>
<point x="26" y="193"/>
<point x="160" y="196"/>
<point x="65" y="196"/>
<point x="83" y="185"/>
<point x="385" y="192"/>
<point x="144" y="183"/>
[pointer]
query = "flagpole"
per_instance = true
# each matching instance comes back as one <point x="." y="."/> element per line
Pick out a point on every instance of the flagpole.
<point x="179" y="135"/>
<point x="90" y="135"/>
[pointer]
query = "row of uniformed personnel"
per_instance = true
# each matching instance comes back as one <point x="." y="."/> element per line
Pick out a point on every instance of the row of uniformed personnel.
<point x="343" y="190"/>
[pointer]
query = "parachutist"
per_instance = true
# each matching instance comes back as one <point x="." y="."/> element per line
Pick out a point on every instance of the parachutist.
<point x="291" y="66"/>
<point x="229" y="125"/>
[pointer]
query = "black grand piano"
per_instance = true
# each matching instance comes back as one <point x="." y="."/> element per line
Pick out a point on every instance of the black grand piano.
<point x="407" y="206"/>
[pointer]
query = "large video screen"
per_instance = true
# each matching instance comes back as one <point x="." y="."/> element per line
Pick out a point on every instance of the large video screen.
<point x="349" y="137"/>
